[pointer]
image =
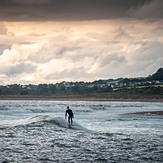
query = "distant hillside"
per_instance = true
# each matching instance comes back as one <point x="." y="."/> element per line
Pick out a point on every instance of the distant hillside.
<point x="156" y="76"/>
<point x="137" y="88"/>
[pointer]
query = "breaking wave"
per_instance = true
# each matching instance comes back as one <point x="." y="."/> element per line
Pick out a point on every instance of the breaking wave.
<point x="59" y="121"/>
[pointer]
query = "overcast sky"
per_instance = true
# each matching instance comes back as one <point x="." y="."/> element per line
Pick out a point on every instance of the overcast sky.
<point x="49" y="41"/>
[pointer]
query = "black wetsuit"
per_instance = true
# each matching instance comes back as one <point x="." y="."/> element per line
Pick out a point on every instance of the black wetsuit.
<point x="70" y="115"/>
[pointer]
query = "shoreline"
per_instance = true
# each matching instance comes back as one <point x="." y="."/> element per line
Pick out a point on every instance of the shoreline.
<point x="83" y="99"/>
<point x="147" y="113"/>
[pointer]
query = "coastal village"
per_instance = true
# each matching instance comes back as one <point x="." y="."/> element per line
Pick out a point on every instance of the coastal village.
<point x="113" y="84"/>
<point x="98" y="86"/>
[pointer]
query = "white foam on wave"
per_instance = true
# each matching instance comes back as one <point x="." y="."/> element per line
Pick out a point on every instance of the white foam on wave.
<point x="59" y="121"/>
<point x="63" y="123"/>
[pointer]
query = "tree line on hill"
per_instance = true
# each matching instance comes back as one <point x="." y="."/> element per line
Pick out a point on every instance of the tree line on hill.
<point x="88" y="88"/>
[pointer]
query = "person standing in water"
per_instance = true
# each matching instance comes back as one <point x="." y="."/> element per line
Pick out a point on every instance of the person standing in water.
<point x="70" y="115"/>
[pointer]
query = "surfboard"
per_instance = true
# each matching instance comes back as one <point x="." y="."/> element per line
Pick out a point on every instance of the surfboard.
<point x="69" y="126"/>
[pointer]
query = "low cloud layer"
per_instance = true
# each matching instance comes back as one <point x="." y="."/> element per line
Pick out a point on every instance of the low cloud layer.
<point x="84" y="51"/>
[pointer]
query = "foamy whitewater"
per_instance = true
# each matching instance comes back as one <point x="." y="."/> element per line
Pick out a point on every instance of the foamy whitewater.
<point x="37" y="132"/>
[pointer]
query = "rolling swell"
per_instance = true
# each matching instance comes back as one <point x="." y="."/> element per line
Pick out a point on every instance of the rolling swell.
<point x="34" y="131"/>
<point x="58" y="121"/>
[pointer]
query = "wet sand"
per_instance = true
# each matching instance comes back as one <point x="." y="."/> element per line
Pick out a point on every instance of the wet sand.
<point x="84" y="99"/>
<point x="149" y="113"/>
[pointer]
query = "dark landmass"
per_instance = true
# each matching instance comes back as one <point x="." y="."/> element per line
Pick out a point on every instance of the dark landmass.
<point x="123" y="89"/>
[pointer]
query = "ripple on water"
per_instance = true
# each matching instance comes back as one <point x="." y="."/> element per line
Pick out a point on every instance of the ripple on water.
<point x="50" y="143"/>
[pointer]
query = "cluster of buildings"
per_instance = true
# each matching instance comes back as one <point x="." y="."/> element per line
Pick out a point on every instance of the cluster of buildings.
<point x="113" y="84"/>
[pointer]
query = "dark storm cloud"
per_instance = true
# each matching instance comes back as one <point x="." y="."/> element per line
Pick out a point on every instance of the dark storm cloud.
<point x="32" y="10"/>
<point x="151" y="10"/>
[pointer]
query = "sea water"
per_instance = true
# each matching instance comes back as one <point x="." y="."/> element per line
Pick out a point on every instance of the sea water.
<point x="36" y="131"/>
